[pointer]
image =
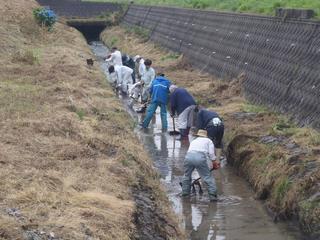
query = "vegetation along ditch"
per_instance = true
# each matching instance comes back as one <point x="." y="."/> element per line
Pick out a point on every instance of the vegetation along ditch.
<point x="279" y="159"/>
<point x="74" y="165"/>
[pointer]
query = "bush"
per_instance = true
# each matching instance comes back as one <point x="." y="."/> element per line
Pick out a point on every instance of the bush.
<point x="45" y="17"/>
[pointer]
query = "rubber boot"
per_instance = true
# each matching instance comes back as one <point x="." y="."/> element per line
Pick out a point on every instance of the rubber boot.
<point x="218" y="153"/>
<point x="183" y="135"/>
<point x="187" y="131"/>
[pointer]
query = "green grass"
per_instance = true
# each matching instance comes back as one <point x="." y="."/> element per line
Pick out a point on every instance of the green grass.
<point x="170" y="56"/>
<point x="251" y="108"/>
<point x="281" y="189"/>
<point x="284" y="127"/>
<point x="143" y="33"/>
<point x="80" y="113"/>
<point x="266" y="7"/>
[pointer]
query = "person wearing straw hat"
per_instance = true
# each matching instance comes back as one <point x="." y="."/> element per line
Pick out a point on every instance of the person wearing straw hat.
<point x="200" y="150"/>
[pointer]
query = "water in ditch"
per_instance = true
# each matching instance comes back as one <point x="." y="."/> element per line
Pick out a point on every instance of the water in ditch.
<point x="236" y="216"/>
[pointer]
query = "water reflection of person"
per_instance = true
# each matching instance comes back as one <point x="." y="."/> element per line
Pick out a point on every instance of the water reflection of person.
<point x="199" y="220"/>
<point x="157" y="143"/>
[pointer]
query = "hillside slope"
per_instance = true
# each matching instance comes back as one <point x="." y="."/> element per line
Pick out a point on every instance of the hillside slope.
<point x="68" y="156"/>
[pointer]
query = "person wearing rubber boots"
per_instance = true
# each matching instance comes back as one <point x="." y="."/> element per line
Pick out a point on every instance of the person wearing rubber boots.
<point x="200" y="151"/>
<point x="213" y="124"/>
<point x="146" y="79"/>
<point x="182" y="104"/>
<point x="159" y="91"/>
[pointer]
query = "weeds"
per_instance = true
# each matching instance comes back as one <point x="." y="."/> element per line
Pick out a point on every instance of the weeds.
<point x="314" y="138"/>
<point x="80" y="113"/>
<point x="274" y="155"/>
<point x="251" y="108"/>
<point x="284" y="127"/>
<point x="141" y="32"/>
<point x="170" y="56"/>
<point x="114" y="41"/>
<point x="281" y="189"/>
<point x="29" y="56"/>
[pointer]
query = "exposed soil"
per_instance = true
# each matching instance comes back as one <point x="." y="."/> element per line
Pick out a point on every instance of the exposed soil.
<point x="150" y="222"/>
<point x="280" y="160"/>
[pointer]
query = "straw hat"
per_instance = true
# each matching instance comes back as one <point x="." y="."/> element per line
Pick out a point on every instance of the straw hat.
<point x="202" y="133"/>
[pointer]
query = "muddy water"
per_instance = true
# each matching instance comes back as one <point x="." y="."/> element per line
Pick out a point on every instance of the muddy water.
<point x="237" y="215"/>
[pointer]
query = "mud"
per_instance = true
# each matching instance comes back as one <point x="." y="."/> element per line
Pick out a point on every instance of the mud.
<point x="149" y="222"/>
<point x="237" y="214"/>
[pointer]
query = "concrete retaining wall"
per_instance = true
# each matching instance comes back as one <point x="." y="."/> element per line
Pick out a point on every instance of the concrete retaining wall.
<point x="281" y="57"/>
<point x="80" y="9"/>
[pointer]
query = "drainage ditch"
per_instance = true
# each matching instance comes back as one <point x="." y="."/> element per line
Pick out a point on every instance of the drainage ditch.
<point x="237" y="215"/>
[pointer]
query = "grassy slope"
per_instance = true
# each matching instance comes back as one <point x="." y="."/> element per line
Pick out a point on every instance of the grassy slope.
<point x="67" y="150"/>
<point x="286" y="182"/>
<point x="249" y="6"/>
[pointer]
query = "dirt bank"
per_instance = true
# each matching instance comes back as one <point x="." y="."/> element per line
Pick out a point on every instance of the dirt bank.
<point x="280" y="160"/>
<point x="71" y="167"/>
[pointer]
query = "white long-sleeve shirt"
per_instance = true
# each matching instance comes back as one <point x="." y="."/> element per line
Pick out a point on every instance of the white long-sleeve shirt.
<point x="115" y="58"/>
<point x="123" y="74"/>
<point x="142" y="67"/>
<point x="148" y="76"/>
<point x="205" y="145"/>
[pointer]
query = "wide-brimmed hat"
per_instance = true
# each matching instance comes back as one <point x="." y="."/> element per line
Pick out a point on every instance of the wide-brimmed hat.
<point x="202" y="133"/>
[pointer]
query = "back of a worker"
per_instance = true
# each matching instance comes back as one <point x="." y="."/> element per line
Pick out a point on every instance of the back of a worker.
<point x="182" y="104"/>
<point x="159" y="91"/>
<point x="200" y="150"/>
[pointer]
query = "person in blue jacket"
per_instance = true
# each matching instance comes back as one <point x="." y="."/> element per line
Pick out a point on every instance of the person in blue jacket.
<point x="159" y="91"/>
<point x="182" y="104"/>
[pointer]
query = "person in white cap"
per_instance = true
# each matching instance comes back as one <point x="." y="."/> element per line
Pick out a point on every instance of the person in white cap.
<point x="200" y="151"/>
<point x="115" y="58"/>
<point x="121" y="77"/>
<point x="213" y="124"/>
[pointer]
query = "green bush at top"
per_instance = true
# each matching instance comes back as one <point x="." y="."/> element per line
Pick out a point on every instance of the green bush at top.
<point x="45" y="17"/>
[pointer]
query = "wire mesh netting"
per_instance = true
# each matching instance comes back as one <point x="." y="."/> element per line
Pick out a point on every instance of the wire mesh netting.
<point x="280" y="57"/>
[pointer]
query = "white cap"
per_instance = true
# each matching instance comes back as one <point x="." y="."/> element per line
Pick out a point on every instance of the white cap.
<point x="136" y="57"/>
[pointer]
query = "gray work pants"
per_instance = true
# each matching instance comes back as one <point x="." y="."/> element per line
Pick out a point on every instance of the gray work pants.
<point x="197" y="160"/>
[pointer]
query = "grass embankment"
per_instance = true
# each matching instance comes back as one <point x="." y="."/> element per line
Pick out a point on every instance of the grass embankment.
<point x="266" y="7"/>
<point x="68" y="155"/>
<point x="283" y="166"/>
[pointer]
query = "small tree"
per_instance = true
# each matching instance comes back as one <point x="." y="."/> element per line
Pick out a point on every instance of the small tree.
<point x="45" y="17"/>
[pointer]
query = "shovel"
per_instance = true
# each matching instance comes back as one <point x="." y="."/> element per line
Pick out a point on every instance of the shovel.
<point x="174" y="132"/>
<point x="196" y="182"/>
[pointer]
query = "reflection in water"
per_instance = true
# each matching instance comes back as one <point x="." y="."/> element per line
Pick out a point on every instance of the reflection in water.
<point x="236" y="216"/>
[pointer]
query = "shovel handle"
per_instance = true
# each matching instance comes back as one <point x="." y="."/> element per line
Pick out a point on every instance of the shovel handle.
<point x="174" y="124"/>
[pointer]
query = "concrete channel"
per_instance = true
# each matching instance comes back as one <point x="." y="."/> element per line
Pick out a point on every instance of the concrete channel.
<point x="237" y="215"/>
